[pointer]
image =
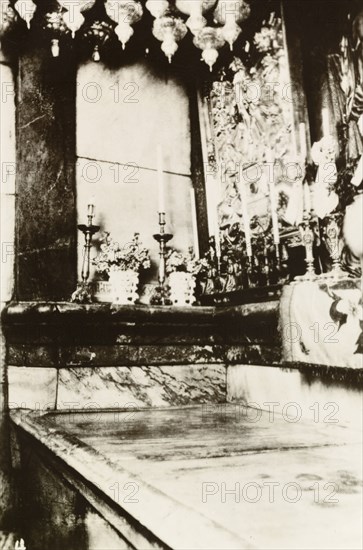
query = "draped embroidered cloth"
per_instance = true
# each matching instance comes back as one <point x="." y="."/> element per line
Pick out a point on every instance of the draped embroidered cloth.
<point x="321" y="322"/>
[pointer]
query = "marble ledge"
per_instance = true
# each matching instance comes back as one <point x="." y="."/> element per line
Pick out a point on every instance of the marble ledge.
<point x="65" y="334"/>
<point x="65" y="312"/>
<point x="96" y="355"/>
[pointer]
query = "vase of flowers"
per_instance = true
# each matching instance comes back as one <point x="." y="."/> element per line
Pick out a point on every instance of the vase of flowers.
<point x="121" y="267"/>
<point x="180" y="270"/>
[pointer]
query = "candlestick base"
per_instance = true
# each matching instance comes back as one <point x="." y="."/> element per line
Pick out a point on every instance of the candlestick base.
<point x="307" y="238"/>
<point x="308" y="276"/>
<point x="161" y="296"/>
<point x="83" y="293"/>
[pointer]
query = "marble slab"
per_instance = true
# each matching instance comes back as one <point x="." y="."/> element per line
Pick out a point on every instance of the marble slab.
<point x="285" y="391"/>
<point x="213" y="480"/>
<point x="118" y="387"/>
<point x="32" y="388"/>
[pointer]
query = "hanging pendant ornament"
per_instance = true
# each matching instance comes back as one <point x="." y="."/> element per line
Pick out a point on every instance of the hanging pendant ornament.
<point x="209" y="40"/>
<point x="26" y="10"/>
<point x="196" y="23"/>
<point x="230" y="13"/>
<point x="98" y="33"/>
<point x="73" y="17"/>
<point x="54" y="26"/>
<point x="125" y="13"/>
<point x="169" y="30"/>
<point x="157" y="8"/>
<point x="73" y="21"/>
<point x="189" y="7"/>
<point x="195" y="9"/>
<point x="230" y="33"/>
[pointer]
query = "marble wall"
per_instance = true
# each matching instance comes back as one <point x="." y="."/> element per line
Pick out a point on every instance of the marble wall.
<point x="122" y="116"/>
<point x="294" y="394"/>
<point x="115" y="387"/>
<point x="291" y="392"/>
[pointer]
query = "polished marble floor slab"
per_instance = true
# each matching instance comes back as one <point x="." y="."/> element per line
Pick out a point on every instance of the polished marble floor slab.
<point x="249" y="478"/>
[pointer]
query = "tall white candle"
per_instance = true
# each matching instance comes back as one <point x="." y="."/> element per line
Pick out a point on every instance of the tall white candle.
<point x="194" y="223"/>
<point x="91" y="206"/>
<point x="160" y="179"/>
<point x="271" y="182"/>
<point x="307" y="198"/>
<point x="217" y="239"/>
<point x="302" y="135"/>
<point x="325" y="121"/>
<point x="245" y="214"/>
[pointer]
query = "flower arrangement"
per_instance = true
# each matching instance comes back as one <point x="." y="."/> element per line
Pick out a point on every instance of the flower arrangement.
<point x="111" y="257"/>
<point x="178" y="262"/>
<point x="270" y="37"/>
<point x="175" y="261"/>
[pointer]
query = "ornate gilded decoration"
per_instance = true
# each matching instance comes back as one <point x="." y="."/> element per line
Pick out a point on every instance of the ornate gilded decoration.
<point x="247" y="115"/>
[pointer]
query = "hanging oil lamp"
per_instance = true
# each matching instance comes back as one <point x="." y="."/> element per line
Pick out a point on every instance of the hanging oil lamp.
<point x="125" y="13"/>
<point x="157" y="8"/>
<point x="209" y="40"/>
<point x="53" y="24"/>
<point x="169" y="30"/>
<point x="73" y="16"/>
<point x="195" y="9"/>
<point x="98" y="33"/>
<point x="230" y="13"/>
<point x="26" y="10"/>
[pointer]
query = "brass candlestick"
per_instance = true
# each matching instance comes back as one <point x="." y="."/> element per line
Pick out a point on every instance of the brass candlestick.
<point x="307" y="237"/>
<point x="82" y="293"/>
<point x="88" y="230"/>
<point x="161" y="297"/>
<point x="332" y="243"/>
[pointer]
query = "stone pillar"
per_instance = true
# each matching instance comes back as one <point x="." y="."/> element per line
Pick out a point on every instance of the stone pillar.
<point x="45" y="178"/>
<point x="7" y="203"/>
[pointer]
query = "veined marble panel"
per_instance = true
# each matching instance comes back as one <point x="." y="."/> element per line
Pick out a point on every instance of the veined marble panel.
<point x="115" y="387"/>
<point x="285" y="391"/>
<point x="32" y="388"/>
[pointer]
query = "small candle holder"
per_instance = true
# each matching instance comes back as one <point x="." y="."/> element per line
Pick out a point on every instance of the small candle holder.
<point x="307" y="237"/>
<point x="161" y="296"/>
<point x="83" y="293"/>
<point x="251" y="272"/>
<point x="332" y="243"/>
